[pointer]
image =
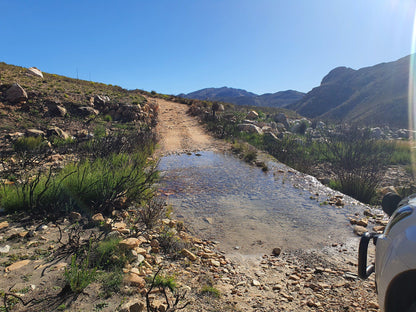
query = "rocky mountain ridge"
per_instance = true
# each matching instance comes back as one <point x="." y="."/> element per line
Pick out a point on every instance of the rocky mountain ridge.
<point x="243" y="97"/>
<point x="375" y="95"/>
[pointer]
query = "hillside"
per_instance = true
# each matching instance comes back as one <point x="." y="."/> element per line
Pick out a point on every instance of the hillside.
<point x="243" y="97"/>
<point x="375" y="95"/>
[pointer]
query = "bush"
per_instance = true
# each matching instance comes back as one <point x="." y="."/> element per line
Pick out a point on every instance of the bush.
<point x="89" y="186"/>
<point x="210" y="291"/>
<point x="151" y="213"/>
<point x="29" y="144"/>
<point x="108" y="255"/>
<point x="358" y="160"/>
<point x="79" y="276"/>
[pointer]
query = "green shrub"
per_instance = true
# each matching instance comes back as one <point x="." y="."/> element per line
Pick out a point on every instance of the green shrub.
<point x="358" y="161"/>
<point x="29" y="144"/>
<point x="108" y="255"/>
<point x="210" y="291"/>
<point x="79" y="276"/>
<point x="152" y="212"/>
<point x="111" y="282"/>
<point x="108" y="118"/>
<point x="88" y="186"/>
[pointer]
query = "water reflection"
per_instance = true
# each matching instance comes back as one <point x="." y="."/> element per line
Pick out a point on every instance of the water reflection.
<point x="251" y="209"/>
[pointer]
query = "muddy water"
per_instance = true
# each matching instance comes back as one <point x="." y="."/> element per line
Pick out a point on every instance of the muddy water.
<point x="224" y="199"/>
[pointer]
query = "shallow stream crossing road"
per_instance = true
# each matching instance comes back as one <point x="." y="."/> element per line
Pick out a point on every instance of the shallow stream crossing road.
<point x="181" y="133"/>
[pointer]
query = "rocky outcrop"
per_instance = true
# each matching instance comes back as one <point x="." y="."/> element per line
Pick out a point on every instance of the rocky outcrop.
<point x="16" y="94"/>
<point x="33" y="71"/>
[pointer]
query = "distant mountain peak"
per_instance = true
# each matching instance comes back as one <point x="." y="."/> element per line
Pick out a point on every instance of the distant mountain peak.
<point x="243" y="97"/>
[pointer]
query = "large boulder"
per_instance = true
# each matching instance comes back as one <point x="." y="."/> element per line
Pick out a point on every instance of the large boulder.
<point x="250" y="128"/>
<point x="58" y="132"/>
<point x="16" y="94"/>
<point x="101" y="100"/>
<point x="252" y="115"/>
<point x="87" y="111"/>
<point x="33" y="71"/>
<point x="281" y="118"/>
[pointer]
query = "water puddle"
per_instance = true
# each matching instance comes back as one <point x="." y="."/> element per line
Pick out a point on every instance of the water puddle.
<point x="224" y="199"/>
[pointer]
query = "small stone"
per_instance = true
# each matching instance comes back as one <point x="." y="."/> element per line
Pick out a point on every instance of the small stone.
<point x="75" y="216"/>
<point x="4" y="225"/>
<point x="132" y="307"/>
<point x="17" y="265"/>
<point x="255" y="283"/>
<point x="359" y="230"/>
<point x="98" y="218"/>
<point x="140" y="251"/>
<point x="154" y="243"/>
<point x="130" y="243"/>
<point x="209" y="220"/>
<point x="189" y="254"/>
<point x="276" y="251"/>
<point x="5" y="249"/>
<point x="134" y="280"/>
<point x="277" y="287"/>
<point x="42" y="227"/>
<point x="215" y="263"/>
<point x="379" y="228"/>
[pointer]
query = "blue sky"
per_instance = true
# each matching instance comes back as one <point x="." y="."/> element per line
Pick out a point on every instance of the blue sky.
<point x="174" y="46"/>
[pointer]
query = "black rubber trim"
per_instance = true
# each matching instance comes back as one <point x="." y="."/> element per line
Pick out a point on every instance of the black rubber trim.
<point x="364" y="271"/>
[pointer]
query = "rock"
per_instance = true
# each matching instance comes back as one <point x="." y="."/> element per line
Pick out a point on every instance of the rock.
<point x="119" y="226"/>
<point x="17" y="265"/>
<point x="220" y="108"/>
<point x="97" y="218"/>
<point x="139" y="260"/>
<point x="42" y="227"/>
<point x="154" y="243"/>
<point x="87" y="111"/>
<point x="276" y="251"/>
<point x="130" y="243"/>
<point x="16" y="94"/>
<point x="209" y="220"/>
<point x="281" y="118"/>
<point x="35" y="133"/>
<point x="379" y="228"/>
<point x="75" y="216"/>
<point x="359" y="230"/>
<point x="134" y="280"/>
<point x="271" y="137"/>
<point x="255" y="283"/>
<point x="100" y="100"/>
<point x="185" y="252"/>
<point x="113" y="235"/>
<point x="215" y="263"/>
<point x="140" y="251"/>
<point x="249" y="128"/>
<point x="5" y="249"/>
<point x="132" y="306"/>
<point x="4" y="225"/>
<point x="33" y="71"/>
<point x="159" y="306"/>
<point x="252" y="115"/>
<point x="61" y="111"/>
<point x="58" y="132"/>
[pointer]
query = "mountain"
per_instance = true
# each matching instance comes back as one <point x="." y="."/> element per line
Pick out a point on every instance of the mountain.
<point x="243" y="97"/>
<point x="376" y="95"/>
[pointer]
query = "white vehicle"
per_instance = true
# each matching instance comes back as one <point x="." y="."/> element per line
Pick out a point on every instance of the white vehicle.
<point x="395" y="263"/>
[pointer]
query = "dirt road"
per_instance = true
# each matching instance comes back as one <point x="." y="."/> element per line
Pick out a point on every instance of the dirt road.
<point x="181" y="133"/>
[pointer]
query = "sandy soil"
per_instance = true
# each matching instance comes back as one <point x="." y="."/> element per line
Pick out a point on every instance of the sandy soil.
<point x="181" y="133"/>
